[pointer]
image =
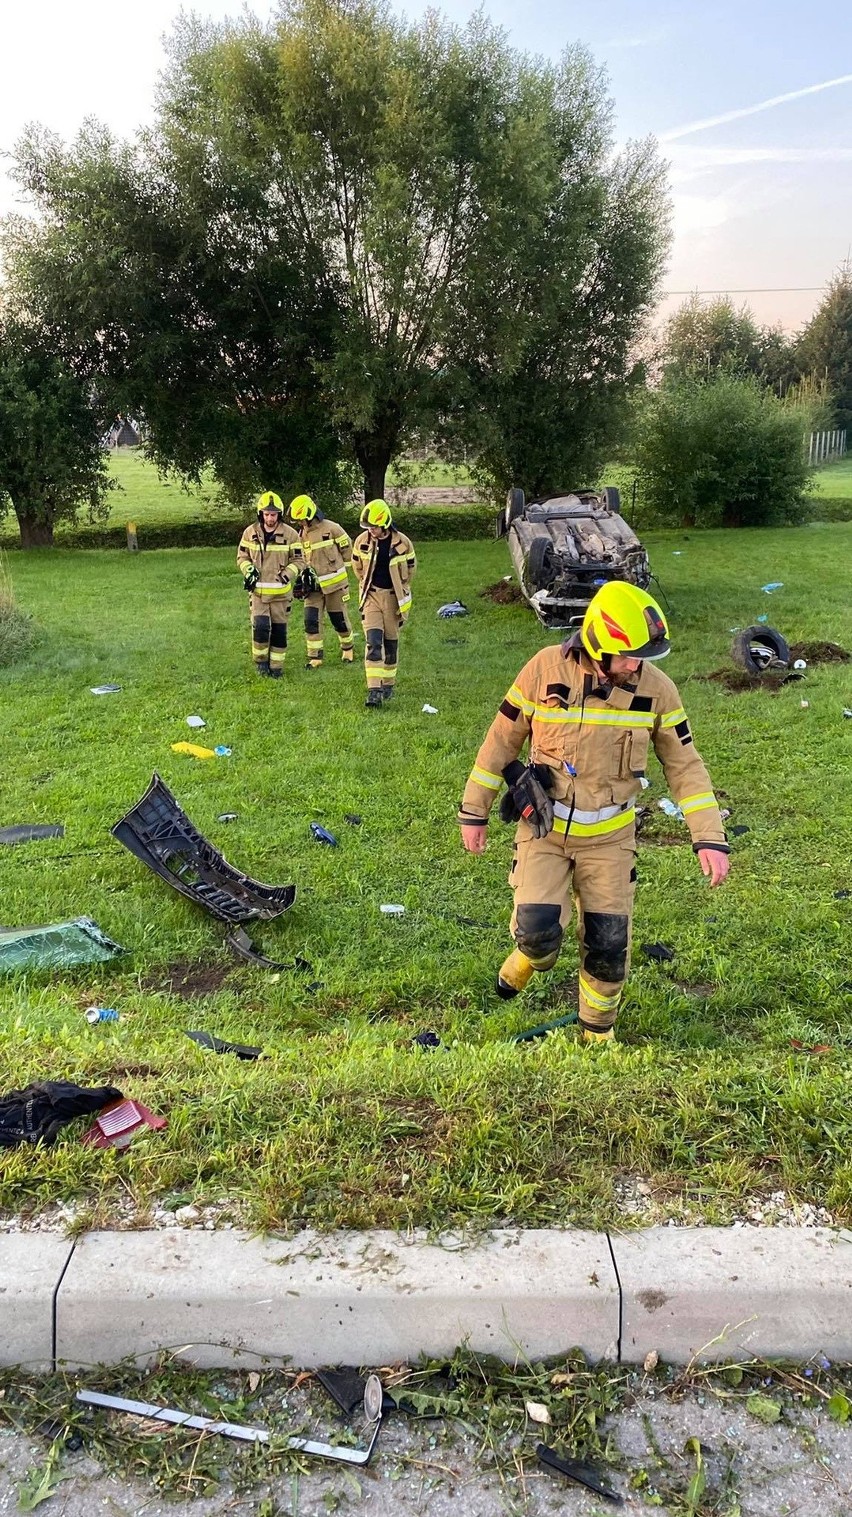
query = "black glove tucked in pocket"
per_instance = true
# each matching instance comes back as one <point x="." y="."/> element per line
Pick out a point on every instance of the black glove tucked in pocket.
<point x="526" y="798"/>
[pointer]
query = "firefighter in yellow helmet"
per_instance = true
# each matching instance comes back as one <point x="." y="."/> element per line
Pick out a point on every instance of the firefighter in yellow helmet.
<point x="589" y="709"/>
<point x="323" y="584"/>
<point x="384" y="562"/>
<point x="269" y="558"/>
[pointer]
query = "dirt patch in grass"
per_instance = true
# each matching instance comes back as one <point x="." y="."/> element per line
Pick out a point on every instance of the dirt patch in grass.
<point x="738" y="680"/>
<point x="188" y="980"/>
<point x="820" y="653"/>
<point x="702" y="989"/>
<point x="735" y="681"/>
<point x="504" y="593"/>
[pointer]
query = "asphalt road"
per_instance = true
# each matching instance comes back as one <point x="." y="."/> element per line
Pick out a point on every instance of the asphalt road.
<point x="801" y="1465"/>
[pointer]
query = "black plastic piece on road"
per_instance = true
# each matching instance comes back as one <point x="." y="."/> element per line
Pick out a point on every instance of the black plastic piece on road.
<point x="30" y="833"/>
<point x="346" y="1387"/>
<point x="161" y="835"/>
<point x="581" y="1474"/>
<point x="220" y="1045"/>
<point x="241" y="944"/>
<point x="659" y="952"/>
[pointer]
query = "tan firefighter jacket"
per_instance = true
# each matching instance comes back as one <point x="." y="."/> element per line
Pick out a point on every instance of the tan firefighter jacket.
<point x="403" y="564"/>
<point x="595" y="745"/>
<point x="327" y="550"/>
<point x="277" y="560"/>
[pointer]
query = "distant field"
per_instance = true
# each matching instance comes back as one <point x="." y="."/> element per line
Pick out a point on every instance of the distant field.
<point x="143" y="497"/>
<point x="834" y="482"/>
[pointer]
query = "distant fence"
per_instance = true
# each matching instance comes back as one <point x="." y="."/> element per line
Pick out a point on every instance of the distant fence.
<point x="825" y="445"/>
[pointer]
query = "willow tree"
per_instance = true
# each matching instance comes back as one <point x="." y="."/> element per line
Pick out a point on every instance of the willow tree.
<point x="353" y="228"/>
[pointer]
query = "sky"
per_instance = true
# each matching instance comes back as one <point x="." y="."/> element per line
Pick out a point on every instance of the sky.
<point x="751" y="103"/>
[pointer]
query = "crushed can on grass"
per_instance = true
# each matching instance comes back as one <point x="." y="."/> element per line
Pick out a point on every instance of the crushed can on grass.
<point x="101" y="1014"/>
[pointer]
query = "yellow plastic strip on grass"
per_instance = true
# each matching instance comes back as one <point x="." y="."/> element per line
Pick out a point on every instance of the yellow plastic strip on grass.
<point x="194" y="750"/>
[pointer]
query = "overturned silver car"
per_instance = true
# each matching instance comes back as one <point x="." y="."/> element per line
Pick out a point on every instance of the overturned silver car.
<point x="565" y="546"/>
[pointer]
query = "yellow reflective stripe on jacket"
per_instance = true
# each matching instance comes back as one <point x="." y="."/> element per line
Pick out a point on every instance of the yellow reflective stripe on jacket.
<point x="594" y="997"/>
<point x="594" y="829"/>
<point x="519" y="699"/>
<point x="486" y="778"/>
<point x="673" y="718"/>
<point x="579" y="715"/>
<point x="273" y="587"/>
<point x="342" y="541"/>
<point x="404" y="604"/>
<point x="331" y="581"/>
<point x="692" y="803"/>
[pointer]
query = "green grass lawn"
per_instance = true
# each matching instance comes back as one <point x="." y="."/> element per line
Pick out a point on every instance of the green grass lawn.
<point x="835" y="480"/>
<point x="343" y="1122"/>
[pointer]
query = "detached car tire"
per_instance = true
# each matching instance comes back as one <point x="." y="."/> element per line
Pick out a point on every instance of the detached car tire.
<point x="762" y="637"/>
<point x="612" y="497"/>
<point x="541" y="563"/>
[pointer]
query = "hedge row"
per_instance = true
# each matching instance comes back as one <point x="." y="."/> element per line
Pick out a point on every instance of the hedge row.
<point x="422" y="523"/>
<point x="823" y="508"/>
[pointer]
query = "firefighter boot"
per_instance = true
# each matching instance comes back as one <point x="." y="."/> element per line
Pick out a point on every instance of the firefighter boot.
<point x="275" y="673"/>
<point x="606" y="1036"/>
<point x="374" y="698"/>
<point x="262" y="666"/>
<point x="514" y="974"/>
<point x="347" y="655"/>
<point x="386" y="693"/>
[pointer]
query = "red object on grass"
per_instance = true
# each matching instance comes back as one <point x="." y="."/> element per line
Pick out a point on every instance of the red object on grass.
<point x="118" y="1124"/>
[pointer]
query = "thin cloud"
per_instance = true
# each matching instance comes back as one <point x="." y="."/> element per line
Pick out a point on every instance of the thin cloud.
<point x="753" y="110"/>
<point x="640" y="39"/>
<point x="688" y="162"/>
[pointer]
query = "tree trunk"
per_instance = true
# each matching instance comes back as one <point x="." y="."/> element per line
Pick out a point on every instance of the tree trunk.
<point x="36" y="531"/>
<point x="375" y="469"/>
<point x="374" y="452"/>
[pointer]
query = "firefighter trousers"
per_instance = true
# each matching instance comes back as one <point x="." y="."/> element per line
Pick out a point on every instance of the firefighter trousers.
<point x="380" y="616"/>
<point x="600" y="874"/>
<point x="316" y="604"/>
<point x="269" y="629"/>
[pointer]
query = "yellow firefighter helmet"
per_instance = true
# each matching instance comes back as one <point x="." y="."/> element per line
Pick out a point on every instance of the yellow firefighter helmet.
<point x="303" y="508"/>
<point x="621" y="618"/>
<point x="376" y="513"/>
<point x="269" y="501"/>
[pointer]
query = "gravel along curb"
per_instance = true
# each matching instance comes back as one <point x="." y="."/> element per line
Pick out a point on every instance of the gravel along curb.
<point x="229" y="1299"/>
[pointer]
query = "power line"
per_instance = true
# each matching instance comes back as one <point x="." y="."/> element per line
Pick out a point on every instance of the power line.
<point x="793" y="289"/>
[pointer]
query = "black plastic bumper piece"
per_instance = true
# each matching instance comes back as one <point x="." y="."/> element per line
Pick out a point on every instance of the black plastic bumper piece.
<point x="241" y="944"/>
<point x="161" y="835"/>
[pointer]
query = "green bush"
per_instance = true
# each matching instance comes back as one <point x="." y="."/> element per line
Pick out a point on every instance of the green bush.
<point x="827" y="508"/>
<point x="722" y="453"/>
<point x="422" y="523"/>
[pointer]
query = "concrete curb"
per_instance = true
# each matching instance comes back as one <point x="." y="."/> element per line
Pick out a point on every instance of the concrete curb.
<point x="227" y="1299"/>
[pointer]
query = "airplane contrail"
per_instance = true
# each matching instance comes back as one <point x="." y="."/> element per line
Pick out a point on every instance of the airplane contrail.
<point x="752" y="110"/>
